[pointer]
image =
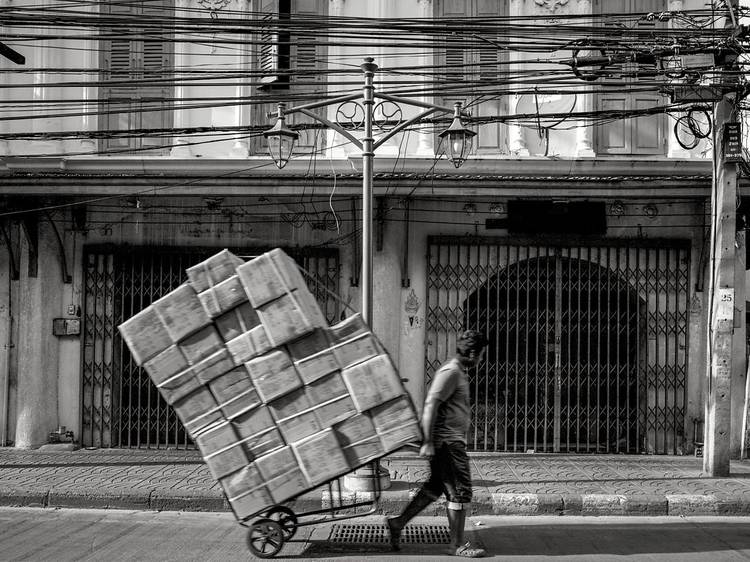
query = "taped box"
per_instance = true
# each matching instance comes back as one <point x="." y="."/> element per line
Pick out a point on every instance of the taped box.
<point x="166" y="364"/>
<point x="213" y="271"/>
<point x="312" y="355"/>
<point x="237" y="321"/>
<point x="273" y="375"/>
<point x="145" y="335"/>
<point x="359" y="441"/>
<point x="198" y="410"/>
<point x="348" y="328"/>
<point x="395" y="423"/>
<point x="222" y="449"/>
<point x="357" y="349"/>
<point x="179" y="386"/>
<point x="291" y="316"/>
<point x="282" y="474"/>
<point x="235" y="393"/>
<point x="201" y="344"/>
<point x="270" y="276"/>
<point x="294" y="416"/>
<point x="223" y="297"/>
<point x="213" y="366"/>
<point x="372" y="382"/>
<point x="396" y="437"/>
<point x="258" y="431"/>
<point x="320" y="457"/>
<point x="251" y="344"/>
<point x="246" y="491"/>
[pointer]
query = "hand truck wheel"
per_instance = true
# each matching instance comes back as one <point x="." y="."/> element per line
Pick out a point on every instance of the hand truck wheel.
<point x="286" y="518"/>
<point x="265" y="538"/>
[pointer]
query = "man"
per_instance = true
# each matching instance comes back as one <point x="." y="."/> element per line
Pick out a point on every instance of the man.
<point x="445" y="424"/>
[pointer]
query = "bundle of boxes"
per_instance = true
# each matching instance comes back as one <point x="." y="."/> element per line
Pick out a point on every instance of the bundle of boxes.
<point x="277" y="401"/>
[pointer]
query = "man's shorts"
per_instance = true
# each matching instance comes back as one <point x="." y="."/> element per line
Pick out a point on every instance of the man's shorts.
<point x="450" y="473"/>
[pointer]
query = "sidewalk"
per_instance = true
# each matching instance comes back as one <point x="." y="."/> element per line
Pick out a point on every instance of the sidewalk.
<point x="517" y="484"/>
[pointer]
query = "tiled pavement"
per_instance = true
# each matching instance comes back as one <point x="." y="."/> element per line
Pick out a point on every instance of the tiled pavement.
<point x="503" y="484"/>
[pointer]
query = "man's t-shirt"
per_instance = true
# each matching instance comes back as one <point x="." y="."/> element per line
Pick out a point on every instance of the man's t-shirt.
<point x="450" y="392"/>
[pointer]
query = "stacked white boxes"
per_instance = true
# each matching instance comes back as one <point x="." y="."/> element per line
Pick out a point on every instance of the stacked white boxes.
<point x="277" y="401"/>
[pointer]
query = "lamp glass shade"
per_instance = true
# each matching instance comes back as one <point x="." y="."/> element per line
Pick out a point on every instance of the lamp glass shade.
<point x="280" y="147"/>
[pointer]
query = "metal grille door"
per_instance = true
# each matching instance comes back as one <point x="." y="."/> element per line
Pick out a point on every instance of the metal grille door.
<point x="120" y="405"/>
<point x="588" y="345"/>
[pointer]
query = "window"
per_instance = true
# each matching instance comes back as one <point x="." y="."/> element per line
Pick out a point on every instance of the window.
<point x="641" y="135"/>
<point x="470" y="67"/>
<point x="290" y="58"/>
<point x="137" y="66"/>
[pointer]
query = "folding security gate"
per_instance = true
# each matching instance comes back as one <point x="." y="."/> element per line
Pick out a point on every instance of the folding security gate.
<point x="120" y="405"/>
<point x="588" y="344"/>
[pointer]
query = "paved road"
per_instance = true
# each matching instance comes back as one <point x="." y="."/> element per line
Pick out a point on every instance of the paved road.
<point x="119" y="535"/>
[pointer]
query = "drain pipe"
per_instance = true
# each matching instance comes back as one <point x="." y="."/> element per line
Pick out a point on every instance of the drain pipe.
<point x="5" y="374"/>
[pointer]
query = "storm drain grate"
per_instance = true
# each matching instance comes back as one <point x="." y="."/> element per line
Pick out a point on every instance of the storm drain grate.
<point x="359" y="533"/>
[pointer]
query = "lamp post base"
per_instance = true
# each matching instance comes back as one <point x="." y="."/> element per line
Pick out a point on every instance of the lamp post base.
<point x="363" y="479"/>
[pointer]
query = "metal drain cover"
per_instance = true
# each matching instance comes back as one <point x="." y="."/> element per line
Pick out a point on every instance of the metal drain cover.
<point x="363" y="533"/>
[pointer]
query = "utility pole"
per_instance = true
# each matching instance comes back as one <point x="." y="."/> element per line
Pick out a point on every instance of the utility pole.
<point x="721" y="284"/>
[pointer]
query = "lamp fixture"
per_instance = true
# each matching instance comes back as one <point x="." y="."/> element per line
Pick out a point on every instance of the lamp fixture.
<point x="280" y="139"/>
<point x="460" y="138"/>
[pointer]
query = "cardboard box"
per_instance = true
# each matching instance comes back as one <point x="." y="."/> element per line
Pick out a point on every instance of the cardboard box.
<point x="198" y="410"/>
<point x="357" y="349"/>
<point x="287" y="485"/>
<point x="334" y="411"/>
<point x="394" y="413"/>
<point x="235" y="393"/>
<point x="290" y="316"/>
<point x="372" y="382"/>
<point x="320" y="457"/>
<point x="177" y="387"/>
<point x="294" y="416"/>
<point x="263" y="443"/>
<point x="358" y="454"/>
<point x="276" y="463"/>
<point x="222" y="450"/>
<point x="145" y="335"/>
<point x="251" y="502"/>
<point x="270" y="276"/>
<point x="316" y="366"/>
<point x="244" y="480"/>
<point x="355" y="429"/>
<point x="223" y="297"/>
<point x="166" y="364"/>
<point x="213" y="271"/>
<point x="201" y="344"/>
<point x="248" y="345"/>
<point x="273" y="375"/>
<point x="236" y="322"/>
<point x="213" y="366"/>
<point x="310" y="344"/>
<point x="396" y="437"/>
<point x="326" y="388"/>
<point x="289" y="405"/>
<point x="181" y="312"/>
<point x="253" y="422"/>
<point x="349" y="328"/>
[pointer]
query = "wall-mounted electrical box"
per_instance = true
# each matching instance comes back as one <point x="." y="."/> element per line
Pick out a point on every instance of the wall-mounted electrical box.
<point x="66" y="327"/>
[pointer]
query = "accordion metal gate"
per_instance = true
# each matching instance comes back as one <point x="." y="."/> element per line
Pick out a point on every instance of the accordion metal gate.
<point x="588" y="344"/>
<point x="121" y="407"/>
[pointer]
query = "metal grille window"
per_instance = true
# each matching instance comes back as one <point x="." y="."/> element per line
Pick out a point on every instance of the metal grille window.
<point x="121" y="407"/>
<point x="588" y="347"/>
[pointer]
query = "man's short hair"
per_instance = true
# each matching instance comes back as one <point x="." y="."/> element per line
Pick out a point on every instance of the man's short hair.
<point x="469" y="341"/>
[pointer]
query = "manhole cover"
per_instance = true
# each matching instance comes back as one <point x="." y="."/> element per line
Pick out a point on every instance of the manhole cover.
<point x="378" y="534"/>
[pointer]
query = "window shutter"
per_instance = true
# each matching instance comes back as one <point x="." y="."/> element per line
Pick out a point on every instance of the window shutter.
<point x="157" y="66"/>
<point x="269" y="42"/>
<point x="648" y="131"/>
<point x="489" y="137"/>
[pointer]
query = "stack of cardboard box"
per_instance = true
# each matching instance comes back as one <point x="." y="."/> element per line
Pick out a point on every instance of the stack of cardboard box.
<point x="277" y="401"/>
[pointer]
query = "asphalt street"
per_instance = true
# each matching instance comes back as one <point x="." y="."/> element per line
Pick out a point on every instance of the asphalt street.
<point x="119" y="535"/>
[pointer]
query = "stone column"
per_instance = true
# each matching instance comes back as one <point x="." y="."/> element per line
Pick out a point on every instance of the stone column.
<point x="90" y="59"/>
<point x="181" y="148"/>
<point x="44" y="55"/>
<point x="516" y="141"/>
<point x="37" y="348"/>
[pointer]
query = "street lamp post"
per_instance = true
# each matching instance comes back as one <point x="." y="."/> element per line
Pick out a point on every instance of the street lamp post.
<point x="281" y="145"/>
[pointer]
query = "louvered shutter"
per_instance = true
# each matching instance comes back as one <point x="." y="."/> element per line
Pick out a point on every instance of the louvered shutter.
<point x="643" y="135"/>
<point x="118" y="60"/>
<point x="157" y="70"/>
<point x="489" y="139"/>
<point x="307" y="60"/>
<point x="268" y="62"/>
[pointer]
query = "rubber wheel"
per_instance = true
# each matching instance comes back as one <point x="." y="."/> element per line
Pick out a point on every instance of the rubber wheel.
<point x="265" y="538"/>
<point x="286" y="518"/>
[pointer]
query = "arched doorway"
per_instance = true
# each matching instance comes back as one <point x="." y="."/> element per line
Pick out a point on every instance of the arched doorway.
<point x="587" y="344"/>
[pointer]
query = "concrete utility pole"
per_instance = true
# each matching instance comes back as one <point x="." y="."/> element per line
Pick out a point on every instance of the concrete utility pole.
<point x="721" y="284"/>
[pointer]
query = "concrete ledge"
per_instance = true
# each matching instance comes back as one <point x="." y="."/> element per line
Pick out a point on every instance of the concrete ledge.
<point x="526" y="504"/>
<point x="616" y="504"/>
<point x="97" y="499"/>
<point x="22" y="497"/>
<point x="706" y="504"/>
<point x="181" y="501"/>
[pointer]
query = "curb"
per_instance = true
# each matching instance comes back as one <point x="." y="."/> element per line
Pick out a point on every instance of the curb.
<point x="390" y="502"/>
